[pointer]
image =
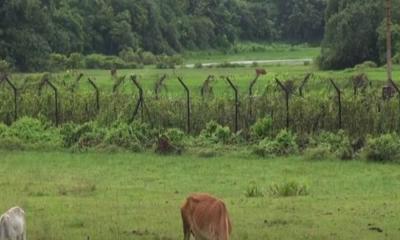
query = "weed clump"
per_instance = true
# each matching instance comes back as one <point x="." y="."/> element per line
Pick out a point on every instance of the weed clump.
<point x="385" y="148"/>
<point x="282" y="145"/>
<point x="288" y="189"/>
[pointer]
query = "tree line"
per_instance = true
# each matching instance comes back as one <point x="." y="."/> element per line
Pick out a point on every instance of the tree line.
<point x="355" y="32"/>
<point x="30" y="30"/>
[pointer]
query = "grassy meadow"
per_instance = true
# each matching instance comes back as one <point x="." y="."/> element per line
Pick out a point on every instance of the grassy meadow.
<point x="241" y="75"/>
<point x="137" y="196"/>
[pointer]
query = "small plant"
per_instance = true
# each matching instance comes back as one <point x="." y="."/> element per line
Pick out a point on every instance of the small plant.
<point x="216" y="133"/>
<point x="283" y="144"/>
<point x="253" y="191"/>
<point x="288" y="189"/>
<point x="262" y="128"/>
<point x="319" y="152"/>
<point x="385" y="148"/>
<point x="198" y="65"/>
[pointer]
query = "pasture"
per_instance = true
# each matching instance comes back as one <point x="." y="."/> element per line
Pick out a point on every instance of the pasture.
<point x="137" y="196"/>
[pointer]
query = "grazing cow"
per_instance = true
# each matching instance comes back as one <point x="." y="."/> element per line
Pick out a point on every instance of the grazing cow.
<point x="13" y="225"/>
<point x="206" y="218"/>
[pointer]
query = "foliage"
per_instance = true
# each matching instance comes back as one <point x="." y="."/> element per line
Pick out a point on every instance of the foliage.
<point x="288" y="189"/>
<point x="337" y="143"/>
<point x="32" y="132"/>
<point x="253" y="191"/>
<point x="384" y="148"/>
<point x="320" y="152"/>
<point x="216" y="133"/>
<point x="283" y="144"/>
<point x="125" y="28"/>
<point x="355" y="32"/>
<point x="262" y="128"/>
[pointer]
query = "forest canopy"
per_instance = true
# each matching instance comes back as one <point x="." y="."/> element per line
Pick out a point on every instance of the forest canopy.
<point x="30" y="30"/>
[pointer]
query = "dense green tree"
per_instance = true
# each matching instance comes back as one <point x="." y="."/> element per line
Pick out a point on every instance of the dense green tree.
<point x="355" y="32"/>
<point x="31" y="30"/>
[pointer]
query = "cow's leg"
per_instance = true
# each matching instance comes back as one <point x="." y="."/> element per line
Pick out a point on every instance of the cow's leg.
<point x="186" y="226"/>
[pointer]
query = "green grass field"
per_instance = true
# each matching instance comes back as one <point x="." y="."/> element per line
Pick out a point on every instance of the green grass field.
<point x="137" y="196"/>
<point x="241" y="76"/>
<point x="252" y="51"/>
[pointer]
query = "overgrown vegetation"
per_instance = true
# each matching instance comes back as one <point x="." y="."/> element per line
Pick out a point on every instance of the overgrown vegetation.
<point x="28" y="133"/>
<point x="136" y="30"/>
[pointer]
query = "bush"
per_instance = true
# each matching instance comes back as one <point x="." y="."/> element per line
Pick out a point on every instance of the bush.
<point x="129" y="55"/>
<point x="57" y="62"/>
<point x="5" y="66"/>
<point x="31" y="132"/>
<point x="288" y="189"/>
<point x="319" y="152"/>
<point x="385" y="148"/>
<point x="123" y="135"/>
<point x="176" y="136"/>
<point x="76" y="61"/>
<point x="82" y="136"/>
<point x="198" y="65"/>
<point x="366" y="64"/>
<point x="148" y="58"/>
<point x="99" y="61"/>
<point x="216" y="133"/>
<point x="283" y="144"/>
<point x="262" y="128"/>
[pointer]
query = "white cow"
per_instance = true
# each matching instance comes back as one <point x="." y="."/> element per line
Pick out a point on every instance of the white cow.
<point x="13" y="225"/>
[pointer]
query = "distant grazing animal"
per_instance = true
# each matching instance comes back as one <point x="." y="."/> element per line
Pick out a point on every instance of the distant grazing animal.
<point x="13" y="225"/>
<point x="206" y="218"/>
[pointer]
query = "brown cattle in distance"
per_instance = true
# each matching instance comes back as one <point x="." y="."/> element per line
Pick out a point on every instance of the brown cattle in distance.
<point x="206" y="218"/>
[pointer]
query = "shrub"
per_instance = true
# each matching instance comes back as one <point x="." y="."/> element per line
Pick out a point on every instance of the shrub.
<point x="176" y="136"/>
<point x="262" y="128"/>
<point x="337" y="143"/>
<point x="216" y="133"/>
<point x="165" y="146"/>
<point x="99" y="61"/>
<point x="288" y="189"/>
<point x="319" y="152"/>
<point x="129" y="55"/>
<point x="123" y="135"/>
<point x="383" y="148"/>
<point x="148" y="58"/>
<point x="82" y="136"/>
<point x="3" y="129"/>
<point x="29" y="133"/>
<point x="283" y="144"/>
<point x="366" y="64"/>
<point x="229" y="65"/>
<point x="57" y="62"/>
<point x="5" y="66"/>
<point x="198" y="65"/>
<point x="76" y="61"/>
<point x="33" y="131"/>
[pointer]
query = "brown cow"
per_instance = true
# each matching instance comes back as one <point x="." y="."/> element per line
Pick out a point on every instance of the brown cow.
<point x="206" y="218"/>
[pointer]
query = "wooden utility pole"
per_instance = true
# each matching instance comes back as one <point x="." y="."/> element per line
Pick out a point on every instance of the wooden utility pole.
<point x="389" y="39"/>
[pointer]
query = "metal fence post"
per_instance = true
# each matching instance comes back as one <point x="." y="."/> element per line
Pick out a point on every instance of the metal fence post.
<point x="187" y="103"/>
<point x="140" y="100"/>
<point x="339" y="95"/>
<point x="236" y="103"/>
<point x="47" y="81"/>
<point x="287" y="96"/>
<point x="15" y="92"/>
<point x="97" y="92"/>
